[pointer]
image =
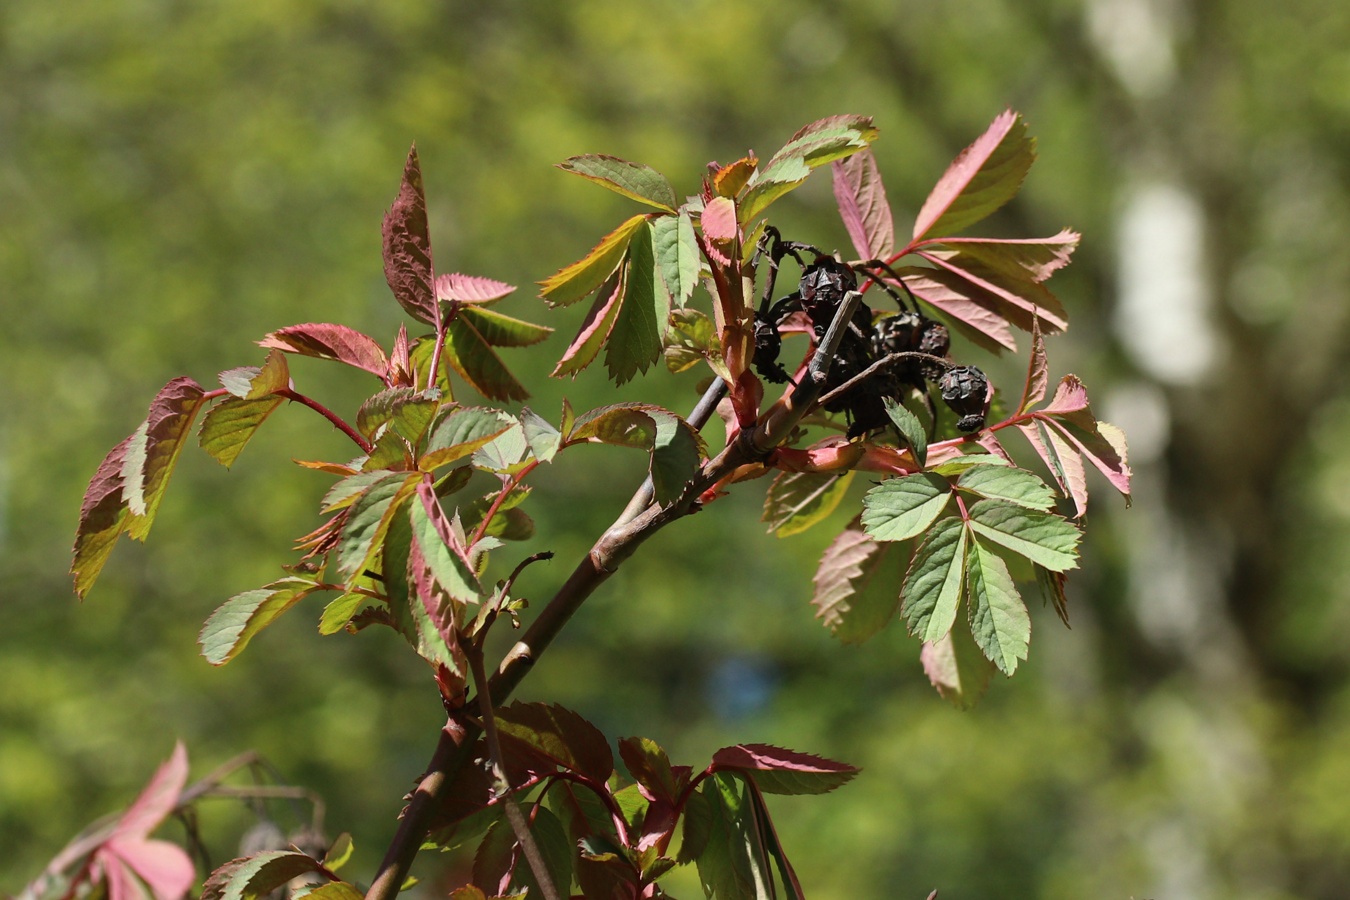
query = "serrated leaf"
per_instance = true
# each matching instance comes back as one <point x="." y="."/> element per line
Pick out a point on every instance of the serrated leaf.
<point x="1019" y="299"/>
<point x="977" y="314"/>
<point x="339" y="612"/>
<point x="1102" y="443"/>
<point x="555" y="849"/>
<point x="252" y="383"/>
<point x="509" y="523"/>
<point x="454" y="287"/>
<point x="506" y="454"/>
<point x="344" y="493"/>
<point x="326" y="341"/>
<point x="578" y="280"/>
<point x="910" y="428"/>
<point x="959" y="464"/>
<point x="780" y="771"/>
<point x="650" y="767"/>
<point x="729" y="179"/>
<point x="985" y="175"/>
<point x="797" y="500"/>
<point x="676" y="249"/>
<point x="625" y="425"/>
<point x="691" y="339"/>
<point x="407" y="246"/>
<point x="258" y="875"/>
<point x="542" y="437"/>
<point x="857" y="586"/>
<point x="633" y="180"/>
<point x="732" y="865"/>
<point x="1038" y="374"/>
<point x="1034" y="258"/>
<point x="901" y="508"/>
<point x="1043" y="538"/>
<point x="1061" y="458"/>
<point x="636" y="338"/>
<point x="676" y="452"/>
<point x="556" y="736"/>
<point x="470" y="354"/>
<point x="862" y="205"/>
<point x="229" y="425"/>
<point x="445" y="554"/>
<point x="1007" y="483"/>
<point x="154" y="450"/>
<point x="815" y="145"/>
<point x="503" y="331"/>
<point x="595" y="329"/>
<point x="369" y="518"/>
<point x="103" y="517"/>
<point x="933" y="584"/>
<point x="381" y="407"/>
<point x="233" y="625"/>
<point x="998" y="617"/>
<point x="1052" y="589"/>
<point x="957" y="667"/>
<point x="341" y="890"/>
<point x="695" y="828"/>
<point x="461" y="432"/>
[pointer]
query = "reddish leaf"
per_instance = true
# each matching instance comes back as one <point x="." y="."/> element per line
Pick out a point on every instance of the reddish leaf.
<point x="1102" y="443"/>
<point x="779" y="771"/>
<point x="729" y="179"/>
<point x="407" y="247"/>
<point x="719" y="220"/>
<point x="473" y="289"/>
<point x="1027" y="301"/>
<point x="978" y="314"/>
<point x="1061" y="458"/>
<point x="1038" y="375"/>
<point x="650" y="768"/>
<point x="1034" y="258"/>
<point x="982" y="178"/>
<point x="862" y="205"/>
<point x="164" y="867"/>
<point x="327" y="341"/>
<point x="594" y="330"/>
<point x="154" y="450"/>
<point x="400" y="361"/>
<point x="857" y="585"/>
<point x="957" y="667"/>
<point x="559" y="737"/>
<point x="103" y="517"/>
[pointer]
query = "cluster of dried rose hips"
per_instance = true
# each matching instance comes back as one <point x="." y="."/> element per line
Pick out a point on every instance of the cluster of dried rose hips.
<point x="914" y="346"/>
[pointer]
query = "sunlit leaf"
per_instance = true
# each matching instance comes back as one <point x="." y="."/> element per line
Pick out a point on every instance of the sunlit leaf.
<point x="503" y="331"/>
<point x="326" y="341"/>
<point x="633" y="180"/>
<point x="456" y="288"/>
<point x="729" y="179"/>
<point x="233" y="625"/>
<point x="1061" y="458"/>
<point x="976" y="313"/>
<point x="578" y="280"/>
<point x="258" y="875"/>
<point x="229" y="425"/>
<point x="985" y="175"/>
<point x="154" y="450"/>
<point x="1007" y="483"/>
<point x="369" y="519"/>
<point x="558" y="736"/>
<point x="815" y="145"/>
<point x="779" y="771"/>
<point x="1038" y="373"/>
<point x="542" y="437"/>
<point x="636" y="337"/>
<point x="676" y="248"/>
<point x="339" y="612"/>
<point x="595" y="329"/>
<point x="933" y="584"/>
<point x="650" y="767"/>
<point x="862" y="205"/>
<point x="998" y="617"/>
<point x="1044" y="538"/>
<point x="797" y="500"/>
<point x="857" y="585"/>
<point x="901" y="508"/>
<point x="444" y="553"/>
<point x="407" y="246"/>
<point x="1033" y="258"/>
<point x="626" y="425"/>
<point x="470" y="354"/>
<point x="1022" y="301"/>
<point x="103" y="516"/>
<point x="910" y="428"/>
<point x="460" y="432"/>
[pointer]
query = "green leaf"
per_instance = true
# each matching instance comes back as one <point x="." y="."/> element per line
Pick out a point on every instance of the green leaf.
<point x="815" y="145"/>
<point x="857" y="585"/>
<point x="503" y="331"/>
<point x="1007" y="483"/>
<point x="368" y="521"/>
<point x="554" y="847"/>
<point x="460" y="432"/>
<point x="959" y="464"/>
<point x="153" y="452"/>
<point x="797" y="500"/>
<point x="509" y="524"/>
<point x="335" y="890"/>
<point x="595" y="329"/>
<point x="506" y="454"/>
<point x="650" y="767"/>
<point x="344" y="493"/>
<point x="576" y="281"/>
<point x="676" y="451"/>
<point x="444" y="555"/>
<point x="258" y="875"/>
<point x="957" y="667"/>
<point x="252" y="383"/>
<point x="382" y="407"/>
<point x="910" y="428"/>
<point x="695" y="828"/>
<point x="692" y="338"/>
<point x="543" y="438"/>
<point x="233" y="625"/>
<point x="901" y="508"/>
<point x="998" y="617"/>
<point x="470" y="354"/>
<point x="636" y="338"/>
<point x="1043" y="538"/>
<point x="339" y="612"/>
<point x="339" y="852"/>
<point x="676" y="249"/>
<point x="625" y="425"/>
<point x="732" y="865"/>
<point x="633" y="180"/>
<point x="986" y="175"/>
<point x="932" y="589"/>
<point x="229" y="425"/>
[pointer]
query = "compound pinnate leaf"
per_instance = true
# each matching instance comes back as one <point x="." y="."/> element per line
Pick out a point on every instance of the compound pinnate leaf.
<point x="813" y="146"/>
<point x="976" y="313"/>
<point x="957" y="667"/>
<point x="407" y="247"/>
<point x="998" y="617"/>
<point x="857" y="585"/>
<point x="1033" y="258"/>
<point x="1007" y="483"/>
<point x="1044" y="538"/>
<point x="1023" y="302"/>
<point x="556" y="736"/>
<point x="862" y="205"/>
<point x="573" y="282"/>
<point x="503" y="331"/>
<point x="797" y="500"/>
<point x="985" y="175"/>
<point x="233" y="625"/>
<point x="154" y="449"/>
<point x="933" y="585"/>
<point x="779" y="771"/>
<point x="103" y="517"/>
<point x="323" y="340"/>
<point x="901" y="508"/>
<point x="633" y="180"/>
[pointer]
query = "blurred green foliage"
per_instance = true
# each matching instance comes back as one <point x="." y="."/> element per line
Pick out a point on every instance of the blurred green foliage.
<point x="179" y="178"/>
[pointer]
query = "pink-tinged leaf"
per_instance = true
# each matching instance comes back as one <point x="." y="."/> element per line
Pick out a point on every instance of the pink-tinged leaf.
<point x="797" y="500"/>
<point x="632" y="180"/>
<point x="103" y="518"/>
<point x="594" y="330"/>
<point x="651" y="768"/>
<point x="504" y="331"/>
<point x="472" y="289"/>
<point x="1062" y="459"/>
<point x="1026" y="302"/>
<point x="779" y="771"/>
<point x="157" y="799"/>
<point x="400" y="361"/>
<point x="719" y="220"/>
<point x="445" y="554"/>
<point x="857" y="585"/>
<point x="1070" y="397"/>
<point x="975" y="313"/>
<point x="1103" y="445"/>
<point x="862" y="205"/>
<point x="957" y="667"/>
<point x="985" y="175"/>
<point x="326" y="341"/>
<point x="813" y="146"/>
<point x="989" y="441"/>
<point x="1033" y="258"/>
<point x="556" y="736"/>
<point x="165" y="868"/>
<point x="154" y="451"/>
<point x="578" y="280"/>
<point x="471" y="355"/>
<point x="257" y="876"/>
<point x="1038" y="373"/>
<point x="407" y="247"/>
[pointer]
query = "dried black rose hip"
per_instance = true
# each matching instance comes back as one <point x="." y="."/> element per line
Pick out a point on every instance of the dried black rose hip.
<point x="964" y="389"/>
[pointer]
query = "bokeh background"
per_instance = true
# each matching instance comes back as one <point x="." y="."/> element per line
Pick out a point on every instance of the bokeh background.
<point x="178" y="178"/>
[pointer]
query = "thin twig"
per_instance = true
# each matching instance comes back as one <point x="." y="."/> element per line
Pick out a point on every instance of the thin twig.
<point x="328" y="414"/>
<point x="878" y="366"/>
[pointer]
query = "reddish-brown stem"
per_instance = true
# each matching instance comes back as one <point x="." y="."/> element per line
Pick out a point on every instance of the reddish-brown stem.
<point x="500" y="499"/>
<point x="328" y="414"/>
